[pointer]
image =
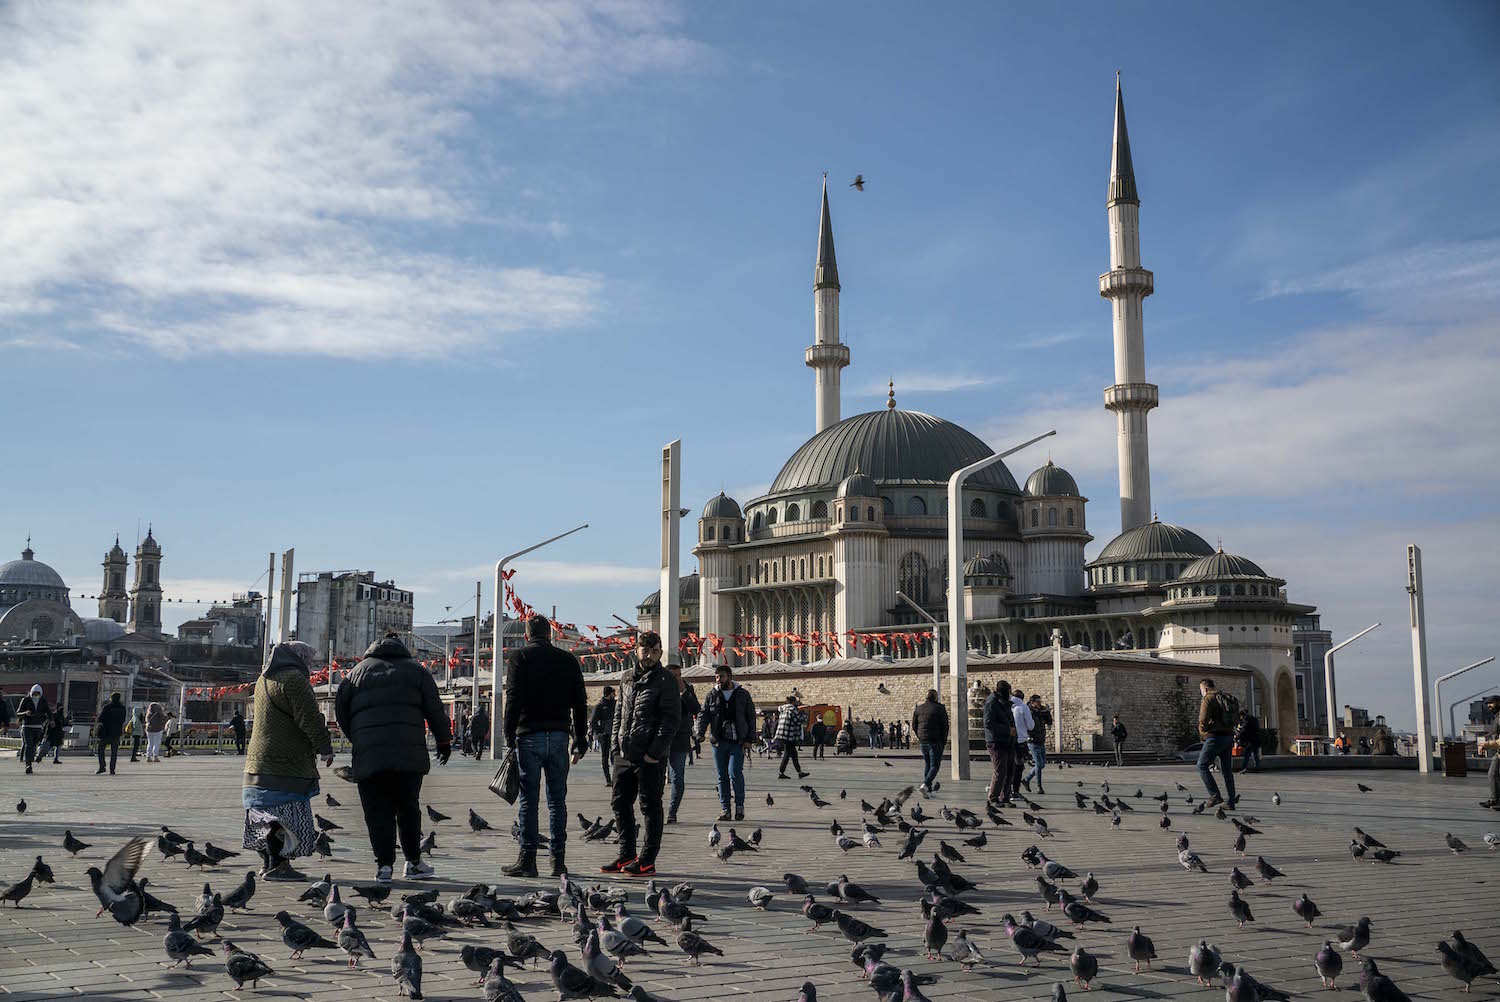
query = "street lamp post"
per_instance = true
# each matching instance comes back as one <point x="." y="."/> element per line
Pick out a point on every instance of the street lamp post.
<point x="1328" y="696"/>
<point x="958" y="671"/>
<point x="1437" y="691"/>
<point x="937" y="640"/>
<point x="497" y="672"/>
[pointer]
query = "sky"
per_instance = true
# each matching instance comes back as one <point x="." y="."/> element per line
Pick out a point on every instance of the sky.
<point x="408" y="286"/>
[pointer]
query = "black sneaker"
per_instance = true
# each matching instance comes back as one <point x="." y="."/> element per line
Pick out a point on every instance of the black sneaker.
<point x="618" y="865"/>
<point x="739" y="813"/>
<point x="1214" y="802"/>
<point x="671" y="819"/>
<point x="723" y="815"/>
<point x="803" y="775"/>
<point x="636" y="868"/>
<point x="1026" y="783"/>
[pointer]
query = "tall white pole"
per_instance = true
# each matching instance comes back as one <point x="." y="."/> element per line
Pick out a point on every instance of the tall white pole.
<point x="1328" y="694"/>
<point x="1437" y="693"/>
<point x="286" y="595"/>
<point x="1057" y="690"/>
<point x="671" y="571"/>
<point x="1419" y="655"/>
<point x="498" y="653"/>
<point x="270" y="594"/>
<point x="497" y="685"/>
<point x="958" y="641"/>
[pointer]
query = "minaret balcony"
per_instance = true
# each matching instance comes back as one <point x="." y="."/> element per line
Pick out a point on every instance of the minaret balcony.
<point x="826" y="356"/>
<point x="1130" y="396"/>
<point x="1125" y="282"/>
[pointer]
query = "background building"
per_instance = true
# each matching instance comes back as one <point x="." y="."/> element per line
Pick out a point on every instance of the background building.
<point x="34" y="604"/>
<point x="341" y="613"/>
<point x="145" y="593"/>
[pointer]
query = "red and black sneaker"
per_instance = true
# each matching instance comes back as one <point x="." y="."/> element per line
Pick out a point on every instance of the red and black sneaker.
<point x="618" y="866"/>
<point x="637" y="868"/>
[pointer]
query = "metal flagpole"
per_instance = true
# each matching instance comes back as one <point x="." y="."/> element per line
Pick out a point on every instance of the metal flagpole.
<point x="1419" y="655"/>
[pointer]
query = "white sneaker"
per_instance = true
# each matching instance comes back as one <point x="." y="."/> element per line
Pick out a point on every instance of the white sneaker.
<point x="383" y="875"/>
<point x="418" y="871"/>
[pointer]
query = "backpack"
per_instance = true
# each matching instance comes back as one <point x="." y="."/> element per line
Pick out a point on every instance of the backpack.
<point x="1231" y="707"/>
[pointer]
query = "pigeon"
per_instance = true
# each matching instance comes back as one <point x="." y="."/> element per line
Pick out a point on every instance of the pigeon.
<point x="848" y="891"/>
<point x="216" y="854"/>
<point x="1468" y="949"/>
<point x="17" y="892"/>
<point x="328" y="826"/>
<point x="978" y="841"/>
<point x="715" y="837"/>
<point x="115" y="885"/>
<point x="1043" y="928"/>
<point x="1267" y="872"/>
<point x="152" y="902"/>
<point x="208" y="918"/>
<point x="964" y="952"/>
<point x="433" y="815"/>
<point x="476" y="823"/>
<point x="1239" y="844"/>
<point x="809" y="992"/>
<point x="300" y="937"/>
<point x="328" y="799"/>
<point x="71" y="845"/>
<point x="1190" y="860"/>
<point x="242" y="966"/>
<point x="1329" y="964"/>
<point x="1384" y="855"/>
<point x="1048" y="892"/>
<point x="1492" y="840"/>
<point x="1377" y="987"/>
<point x="317" y="892"/>
<point x="1079" y="913"/>
<point x="323" y="845"/>
<point x="855" y="930"/>
<point x="352" y="941"/>
<point x="739" y="844"/>
<point x="575" y="983"/>
<point x="1356" y="849"/>
<point x="600" y="832"/>
<point x="1182" y="841"/>
<point x="241" y="895"/>
<point x="817" y="913"/>
<point x="1356" y="937"/>
<point x="1240" y="986"/>
<point x="794" y="883"/>
<point x="1239" y="909"/>
<point x="193" y="858"/>
<point x="913" y="840"/>
<point x="417" y="927"/>
<point x="525" y="947"/>
<point x="1140" y="948"/>
<point x="1457" y="845"/>
<point x="934" y="936"/>
<point x="1243" y="828"/>
<point x="497" y="987"/>
<point x="21" y="805"/>
<point x="601" y="966"/>
<point x="373" y="893"/>
<point x="695" y="946"/>
<point x="1276" y="799"/>
<point x="167" y="848"/>
<point x="1368" y="841"/>
<point x="334" y="909"/>
<point x="43" y="873"/>
<point x="428" y="844"/>
<point x="1085" y="967"/>
<point x="1203" y="962"/>
<point x="1363" y="788"/>
<point x="1238" y="880"/>
<point x="180" y="945"/>
<point x="480" y="960"/>
<point x="469" y="911"/>
<point x="845" y="843"/>
<point x="1029" y="943"/>
<point x="949" y="852"/>
<point x="1055" y="870"/>
<point x="406" y="968"/>
<point x="1306" y="910"/>
<point x="760" y="898"/>
<point x="1089" y="887"/>
<point x="770" y="800"/>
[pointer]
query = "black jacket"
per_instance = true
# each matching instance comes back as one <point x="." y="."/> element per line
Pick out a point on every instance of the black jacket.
<point x="1118" y="732"/>
<point x="999" y="721"/>
<point x="478" y="728"/>
<point x="381" y="707"/>
<point x="720" y="711"/>
<point x="683" y="739"/>
<point x="930" y="722"/>
<point x="33" y="712"/>
<point x="1041" y="720"/>
<point x="237" y="724"/>
<point x="56" y="724"/>
<point x="1249" y="732"/>
<point x="646" y="715"/>
<point x="544" y="692"/>
<point x="111" y="723"/>
<point x="602" y="721"/>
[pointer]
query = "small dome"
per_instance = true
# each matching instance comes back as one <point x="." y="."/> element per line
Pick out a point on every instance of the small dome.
<point x="1051" y="481"/>
<point x="115" y="553"/>
<point x="857" y="485"/>
<point x="722" y="506"/>
<point x="29" y="572"/>
<point x="101" y="631"/>
<point x="687" y="591"/>
<point x="1220" y="566"/>
<point x="993" y="566"/>
<point x="1153" y="540"/>
<point x="149" y="544"/>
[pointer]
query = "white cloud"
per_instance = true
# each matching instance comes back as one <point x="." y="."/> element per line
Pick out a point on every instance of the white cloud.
<point x="246" y="177"/>
<point x="925" y="382"/>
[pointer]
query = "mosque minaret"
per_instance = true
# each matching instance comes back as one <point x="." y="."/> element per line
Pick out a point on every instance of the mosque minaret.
<point x="828" y="355"/>
<point x="1126" y="285"/>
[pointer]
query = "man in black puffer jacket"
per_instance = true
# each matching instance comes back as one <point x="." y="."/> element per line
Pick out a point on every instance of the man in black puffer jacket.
<point x="645" y="723"/>
<point x="382" y="707"/>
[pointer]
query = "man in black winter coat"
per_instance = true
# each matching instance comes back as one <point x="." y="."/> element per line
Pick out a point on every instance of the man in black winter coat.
<point x="237" y="725"/>
<point x="930" y="723"/>
<point x="108" y="729"/>
<point x="544" y="704"/>
<point x="384" y="707"/>
<point x="601" y="727"/>
<point x="32" y="713"/>
<point x="645" y="723"/>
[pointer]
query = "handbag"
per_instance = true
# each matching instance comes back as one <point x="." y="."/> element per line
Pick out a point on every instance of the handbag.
<point x="507" y="782"/>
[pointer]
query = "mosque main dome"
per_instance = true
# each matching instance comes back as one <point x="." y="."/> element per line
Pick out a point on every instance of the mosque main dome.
<point x="891" y="447"/>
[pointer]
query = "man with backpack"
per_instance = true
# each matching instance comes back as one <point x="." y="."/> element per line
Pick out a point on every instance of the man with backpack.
<point x="1216" y="716"/>
<point x="728" y="719"/>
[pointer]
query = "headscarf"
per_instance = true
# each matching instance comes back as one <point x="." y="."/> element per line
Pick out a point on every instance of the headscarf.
<point x="293" y="652"/>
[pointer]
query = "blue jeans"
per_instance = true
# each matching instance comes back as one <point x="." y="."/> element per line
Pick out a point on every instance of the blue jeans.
<point x="677" y="766"/>
<point x="1217" y="747"/>
<point x="729" y="760"/>
<point x="1038" y="762"/>
<point x="543" y="752"/>
<point x="932" y="758"/>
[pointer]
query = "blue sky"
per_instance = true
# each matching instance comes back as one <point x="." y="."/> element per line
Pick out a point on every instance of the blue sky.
<point x="407" y="289"/>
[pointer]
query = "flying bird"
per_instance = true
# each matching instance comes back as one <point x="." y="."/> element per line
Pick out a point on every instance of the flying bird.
<point x="858" y="184"/>
<point x="115" y="885"/>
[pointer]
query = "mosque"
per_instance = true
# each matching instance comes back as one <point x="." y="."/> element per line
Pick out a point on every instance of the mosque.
<point x="35" y="606"/>
<point x="859" y="513"/>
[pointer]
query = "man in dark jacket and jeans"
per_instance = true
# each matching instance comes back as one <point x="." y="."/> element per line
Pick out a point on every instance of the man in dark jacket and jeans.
<point x="108" y="729"/>
<point x="1036" y="742"/>
<point x="601" y="727"/>
<point x="930" y="723"/>
<point x="1000" y="742"/>
<point x="544" y="704"/>
<point x="729" y="721"/>
<point x="1216" y="726"/>
<point x="382" y="707"/>
<point x="645" y="724"/>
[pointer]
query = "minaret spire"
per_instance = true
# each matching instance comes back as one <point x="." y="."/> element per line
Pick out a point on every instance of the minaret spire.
<point x="1126" y="285"/>
<point x="828" y="354"/>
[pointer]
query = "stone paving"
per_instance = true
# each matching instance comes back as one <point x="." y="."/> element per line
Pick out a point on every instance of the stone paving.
<point x="53" y="946"/>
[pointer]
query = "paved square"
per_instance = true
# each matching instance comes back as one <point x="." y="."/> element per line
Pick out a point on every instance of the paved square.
<point x="53" y="946"/>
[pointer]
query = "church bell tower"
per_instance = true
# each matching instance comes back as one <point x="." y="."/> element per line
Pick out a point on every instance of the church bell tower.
<point x="145" y="592"/>
<point x="114" y="601"/>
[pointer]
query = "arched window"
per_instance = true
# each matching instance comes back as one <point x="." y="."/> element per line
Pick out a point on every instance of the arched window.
<point x="943" y="505"/>
<point x="1197" y="591"/>
<point x="755" y="523"/>
<point x="820" y="509"/>
<point x="775" y="572"/>
<point x="1035" y="517"/>
<point x="854" y="513"/>
<point x="820" y="568"/>
<point x="1051" y="516"/>
<point x="739" y="576"/>
<point x="977" y="509"/>
<point x="916" y="505"/>
<point x="911" y="577"/>
<point x="1070" y="518"/>
<point x="1223" y="589"/>
<point x="710" y="533"/>
<point x="771" y="516"/>
<point x="1239" y="589"/>
<point x="793" y="513"/>
<point x="887" y="505"/>
<point x="802" y="569"/>
<point x="870" y="513"/>
<point x="1156" y="572"/>
<point x="150" y="574"/>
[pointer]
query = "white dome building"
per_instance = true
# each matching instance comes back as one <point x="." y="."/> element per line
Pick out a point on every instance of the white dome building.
<point x="34" y="604"/>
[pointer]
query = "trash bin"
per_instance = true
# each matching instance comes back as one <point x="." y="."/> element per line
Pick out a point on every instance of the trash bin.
<point x="1455" y="759"/>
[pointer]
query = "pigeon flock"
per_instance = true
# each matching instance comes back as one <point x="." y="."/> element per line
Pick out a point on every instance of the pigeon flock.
<point x="585" y="939"/>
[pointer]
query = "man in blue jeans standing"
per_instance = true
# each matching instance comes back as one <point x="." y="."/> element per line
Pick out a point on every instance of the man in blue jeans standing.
<point x="1216" y="725"/>
<point x="1036" y="742"/>
<point x="729" y="721"/>
<point x="930" y="724"/>
<point x="544" y="701"/>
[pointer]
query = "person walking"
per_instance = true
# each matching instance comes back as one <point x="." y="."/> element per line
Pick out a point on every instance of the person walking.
<point x="601" y="728"/>
<point x="479" y="731"/>
<point x="156" y="728"/>
<point x="107" y="731"/>
<point x="281" y="767"/>
<point x="728" y="719"/>
<point x="461" y="729"/>
<point x="819" y="737"/>
<point x="5" y="714"/>
<point x="545" y="702"/>
<point x="645" y="725"/>
<point x="381" y="706"/>
<point x="1000" y="742"/>
<point x="1118" y="733"/>
<point x="32" y="713"/>
<point x="237" y="725"/>
<point x="137" y="729"/>
<point x="1037" y="742"/>
<point x="169" y="735"/>
<point x="929" y="722"/>
<point x="682" y="741"/>
<point x="1216" y="716"/>
<point x="57" y="726"/>
<point x="790" y="721"/>
<point x="1247" y="736"/>
<point x="1024" y="723"/>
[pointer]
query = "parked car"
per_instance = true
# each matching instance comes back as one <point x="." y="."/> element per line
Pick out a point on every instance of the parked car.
<point x="1191" y="752"/>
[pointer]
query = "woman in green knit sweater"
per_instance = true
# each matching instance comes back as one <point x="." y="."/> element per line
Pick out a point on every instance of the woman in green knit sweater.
<point x="281" y="764"/>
